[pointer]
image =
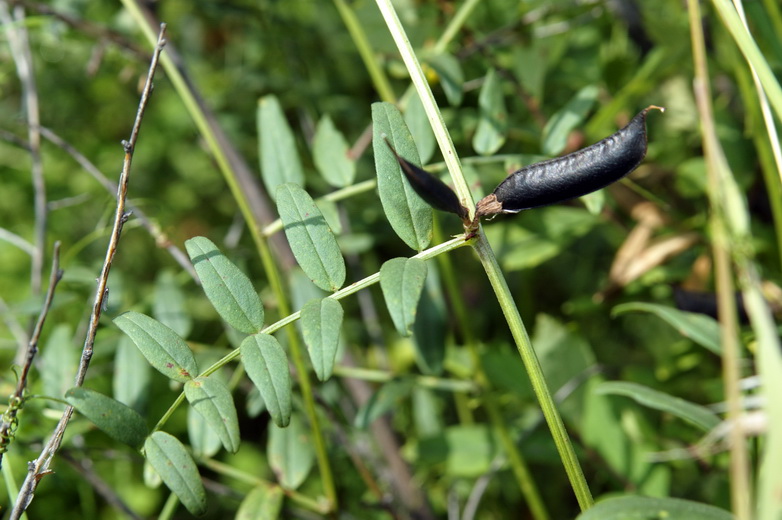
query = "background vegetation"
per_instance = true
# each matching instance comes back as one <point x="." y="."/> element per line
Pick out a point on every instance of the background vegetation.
<point x="414" y="425"/>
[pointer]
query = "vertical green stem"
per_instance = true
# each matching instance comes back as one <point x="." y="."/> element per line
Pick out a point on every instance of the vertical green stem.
<point x="739" y="482"/>
<point x="532" y="365"/>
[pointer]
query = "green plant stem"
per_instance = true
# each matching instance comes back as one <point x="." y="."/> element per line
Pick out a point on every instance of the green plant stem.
<point x="353" y="288"/>
<point x="381" y="376"/>
<point x="751" y="52"/>
<point x="520" y="470"/>
<point x="717" y="166"/>
<point x="487" y="257"/>
<point x="427" y="100"/>
<point x="11" y="487"/>
<point x="243" y="476"/>
<point x="532" y="365"/>
<point x="169" y="508"/>
<point x="334" y="196"/>
<point x="376" y="73"/>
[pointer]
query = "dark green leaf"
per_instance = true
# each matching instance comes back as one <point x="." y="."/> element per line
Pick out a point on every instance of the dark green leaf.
<point x="429" y="329"/>
<point x="280" y="161"/>
<point x="119" y="421"/>
<point x="176" y="467"/>
<point x="212" y="399"/>
<point x="321" y="321"/>
<point x="408" y="214"/>
<point x="420" y="128"/>
<point x="267" y="365"/>
<point x="290" y="453"/>
<point x="493" y="121"/>
<point x="330" y="153"/>
<point x="559" y="126"/>
<point x="449" y="70"/>
<point x="702" y="329"/>
<point x="227" y="287"/>
<point x="402" y="280"/>
<point x="164" y="350"/>
<point x="311" y="239"/>
<point x="695" y="414"/>
<point x="648" y="508"/>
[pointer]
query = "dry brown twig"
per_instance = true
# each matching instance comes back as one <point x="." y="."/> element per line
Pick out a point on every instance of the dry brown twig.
<point x="16" y="401"/>
<point x="40" y="467"/>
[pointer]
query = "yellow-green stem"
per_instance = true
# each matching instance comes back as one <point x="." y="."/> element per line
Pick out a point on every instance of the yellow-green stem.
<point x="534" y="370"/>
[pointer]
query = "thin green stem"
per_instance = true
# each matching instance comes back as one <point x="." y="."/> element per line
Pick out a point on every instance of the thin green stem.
<point x="487" y="257"/>
<point x="382" y="376"/>
<point x="169" y="508"/>
<point x="334" y="196"/>
<point x="379" y="78"/>
<point x="520" y="470"/>
<point x="534" y="370"/>
<point x="427" y="100"/>
<point x="253" y="480"/>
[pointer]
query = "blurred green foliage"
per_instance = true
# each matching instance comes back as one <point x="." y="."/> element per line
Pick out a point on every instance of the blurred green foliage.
<point x="557" y="259"/>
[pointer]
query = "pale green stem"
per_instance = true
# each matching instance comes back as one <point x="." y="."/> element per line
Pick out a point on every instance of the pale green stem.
<point x="379" y="79"/>
<point x="751" y="52"/>
<point x="381" y="376"/>
<point x="488" y="260"/>
<point x="739" y="482"/>
<point x="532" y="365"/>
<point x="430" y="105"/>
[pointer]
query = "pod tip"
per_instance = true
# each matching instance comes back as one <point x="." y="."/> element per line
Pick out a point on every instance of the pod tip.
<point x="650" y="107"/>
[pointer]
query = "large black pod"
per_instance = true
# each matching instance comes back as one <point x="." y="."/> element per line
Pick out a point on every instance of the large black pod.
<point x="572" y="175"/>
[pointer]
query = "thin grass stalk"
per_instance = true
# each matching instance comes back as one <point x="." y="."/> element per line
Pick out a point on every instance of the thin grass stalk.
<point x="726" y="206"/>
<point x="489" y="261"/>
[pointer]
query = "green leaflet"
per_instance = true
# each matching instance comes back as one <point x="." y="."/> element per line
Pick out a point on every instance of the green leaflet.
<point x="493" y="121"/>
<point x="290" y="453"/>
<point x="266" y="364"/>
<point x="263" y="502"/>
<point x="449" y="70"/>
<point x="120" y="422"/>
<point x="227" y="287"/>
<point x="175" y="466"/>
<point x="204" y="441"/>
<point x="695" y="414"/>
<point x="408" y="214"/>
<point x="168" y="306"/>
<point x="132" y="374"/>
<point x="330" y="153"/>
<point x="321" y="321"/>
<point x="164" y="350"/>
<point x="280" y="161"/>
<point x="559" y="126"/>
<point x="311" y="239"/>
<point x="642" y="508"/>
<point x="420" y="128"/>
<point x="212" y="399"/>
<point x="402" y="280"/>
<point x="702" y="329"/>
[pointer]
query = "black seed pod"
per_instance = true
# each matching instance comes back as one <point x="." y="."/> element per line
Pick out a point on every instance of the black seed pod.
<point x="572" y="175"/>
<point x="434" y="191"/>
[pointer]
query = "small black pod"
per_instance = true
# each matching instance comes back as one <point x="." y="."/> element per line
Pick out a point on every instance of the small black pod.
<point x="434" y="191"/>
<point x="572" y="175"/>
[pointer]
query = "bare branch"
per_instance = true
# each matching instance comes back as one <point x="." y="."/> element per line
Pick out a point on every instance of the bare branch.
<point x="16" y="401"/>
<point x="40" y="467"/>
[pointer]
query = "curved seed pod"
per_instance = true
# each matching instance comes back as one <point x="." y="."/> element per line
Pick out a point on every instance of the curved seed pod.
<point x="434" y="191"/>
<point x="572" y="175"/>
